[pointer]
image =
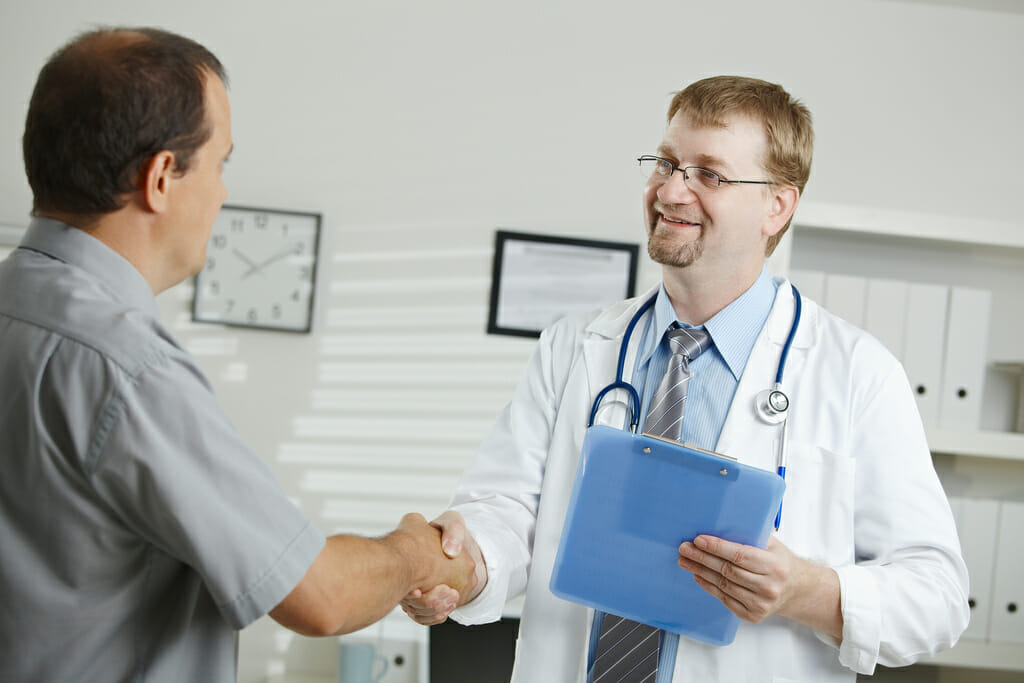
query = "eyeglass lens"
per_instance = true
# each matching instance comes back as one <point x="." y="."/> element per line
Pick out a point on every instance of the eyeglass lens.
<point x="696" y="178"/>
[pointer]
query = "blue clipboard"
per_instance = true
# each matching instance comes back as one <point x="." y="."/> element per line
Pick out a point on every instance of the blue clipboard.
<point x="635" y="500"/>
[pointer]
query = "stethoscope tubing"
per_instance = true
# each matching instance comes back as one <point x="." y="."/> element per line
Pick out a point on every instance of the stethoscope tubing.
<point x="634" y="397"/>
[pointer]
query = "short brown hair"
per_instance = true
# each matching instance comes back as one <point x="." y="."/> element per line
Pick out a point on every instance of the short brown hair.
<point x="787" y="124"/>
<point x="103" y="105"/>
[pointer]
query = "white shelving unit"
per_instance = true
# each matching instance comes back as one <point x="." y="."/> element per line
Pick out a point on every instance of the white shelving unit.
<point x="948" y="250"/>
<point x="979" y="444"/>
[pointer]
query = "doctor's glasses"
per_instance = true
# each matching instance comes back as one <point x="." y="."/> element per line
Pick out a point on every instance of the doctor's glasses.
<point x="696" y="178"/>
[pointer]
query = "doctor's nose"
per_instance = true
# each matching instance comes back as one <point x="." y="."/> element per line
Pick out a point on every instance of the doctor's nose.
<point x="675" y="190"/>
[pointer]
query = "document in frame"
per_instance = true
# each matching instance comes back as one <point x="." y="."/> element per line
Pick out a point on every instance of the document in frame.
<point x="635" y="500"/>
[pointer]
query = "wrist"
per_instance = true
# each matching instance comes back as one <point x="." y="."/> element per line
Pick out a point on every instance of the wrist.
<point x="407" y="555"/>
<point x="816" y="600"/>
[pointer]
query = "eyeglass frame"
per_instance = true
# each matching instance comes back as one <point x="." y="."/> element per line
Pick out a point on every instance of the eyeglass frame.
<point x="673" y="168"/>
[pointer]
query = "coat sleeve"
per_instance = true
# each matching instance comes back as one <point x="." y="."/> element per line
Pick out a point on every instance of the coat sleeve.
<point x="906" y="595"/>
<point x="499" y="494"/>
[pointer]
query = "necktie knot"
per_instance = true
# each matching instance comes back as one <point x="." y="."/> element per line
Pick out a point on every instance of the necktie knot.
<point x="688" y="341"/>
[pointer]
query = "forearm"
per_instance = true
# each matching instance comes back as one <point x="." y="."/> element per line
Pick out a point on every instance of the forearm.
<point x="353" y="583"/>
<point x="356" y="581"/>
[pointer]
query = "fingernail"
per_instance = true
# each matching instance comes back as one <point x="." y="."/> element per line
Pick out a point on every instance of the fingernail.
<point x="700" y="542"/>
<point x="451" y="548"/>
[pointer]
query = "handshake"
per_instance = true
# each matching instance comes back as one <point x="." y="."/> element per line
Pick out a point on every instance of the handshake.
<point x="457" y="574"/>
<point x="430" y="568"/>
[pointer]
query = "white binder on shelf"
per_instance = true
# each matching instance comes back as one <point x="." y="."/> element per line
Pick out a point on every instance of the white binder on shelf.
<point x="965" y="358"/>
<point x="885" y="312"/>
<point x="977" y="523"/>
<point x="845" y="295"/>
<point x="811" y="283"/>
<point x="1006" y="624"/>
<point x="924" y="340"/>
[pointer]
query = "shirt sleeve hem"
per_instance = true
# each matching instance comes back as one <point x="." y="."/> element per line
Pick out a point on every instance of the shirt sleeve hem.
<point x="278" y="581"/>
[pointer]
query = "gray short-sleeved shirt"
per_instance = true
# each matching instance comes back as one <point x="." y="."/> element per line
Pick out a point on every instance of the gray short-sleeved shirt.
<point x="137" y="531"/>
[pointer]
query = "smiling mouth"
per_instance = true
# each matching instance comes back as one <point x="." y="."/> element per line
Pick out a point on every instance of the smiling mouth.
<point x="678" y="221"/>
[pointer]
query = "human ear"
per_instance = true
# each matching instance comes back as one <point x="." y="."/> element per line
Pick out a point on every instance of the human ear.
<point x="783" y="201"/>
<point x="157" y="174"/>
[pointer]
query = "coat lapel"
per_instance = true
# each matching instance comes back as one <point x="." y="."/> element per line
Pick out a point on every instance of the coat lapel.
<point x="745" y="435"/>
<point x="601" y="348"/>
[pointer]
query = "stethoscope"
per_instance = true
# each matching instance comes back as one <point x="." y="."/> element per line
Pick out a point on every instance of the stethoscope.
<point x="771" y="405"/>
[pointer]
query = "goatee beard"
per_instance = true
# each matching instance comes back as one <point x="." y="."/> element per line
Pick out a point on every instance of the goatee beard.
<point x="663" y="251"/>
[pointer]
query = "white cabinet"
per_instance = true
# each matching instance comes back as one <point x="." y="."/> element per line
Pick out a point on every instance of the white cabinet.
<point x="1007" y="621"/>
<point x="976" y="267"/>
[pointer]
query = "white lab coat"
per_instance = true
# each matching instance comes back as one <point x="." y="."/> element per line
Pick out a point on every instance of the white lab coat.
<point x="862" y="497"/>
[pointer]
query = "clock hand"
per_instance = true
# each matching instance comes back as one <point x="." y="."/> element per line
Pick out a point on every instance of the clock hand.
<point x="247" y="260"/>
<point x="256" y="268"/>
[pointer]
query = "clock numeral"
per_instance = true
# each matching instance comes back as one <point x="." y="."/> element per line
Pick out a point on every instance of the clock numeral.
<point x="260" y="220"/>
<point x="252" y="316"/>
<point x="211" y="263"/>
<point x="305" y="272"/>
<point x="299" y="248"/>
<point x="229" y="306"/>
<point x="219" y="241"/>
<point x="284" y="228"/>
<point x="214" y="287"/>
<point x="275" y="311"/>
<point x="237" y="224"/>
<point x="295" y="295"/>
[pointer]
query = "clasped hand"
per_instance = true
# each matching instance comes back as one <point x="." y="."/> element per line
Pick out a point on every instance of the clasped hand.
<point x="435" y="604"/>
<point x="456" y="571"/>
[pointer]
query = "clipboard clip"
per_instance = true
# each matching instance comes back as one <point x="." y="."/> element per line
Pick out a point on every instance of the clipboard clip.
<point x="691" y="446"/>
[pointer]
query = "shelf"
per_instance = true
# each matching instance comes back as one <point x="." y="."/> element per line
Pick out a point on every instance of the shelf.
<point x="979" y="655"/>
<point x="982" y="444"/>
<point x="908" y="224"/>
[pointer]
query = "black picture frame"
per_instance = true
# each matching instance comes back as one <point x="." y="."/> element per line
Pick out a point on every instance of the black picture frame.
<point x="498" y="319"/>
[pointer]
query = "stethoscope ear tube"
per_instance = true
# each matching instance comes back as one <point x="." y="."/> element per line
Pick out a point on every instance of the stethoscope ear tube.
<point x="634" y="403"/>
<point x="619" y="383"/>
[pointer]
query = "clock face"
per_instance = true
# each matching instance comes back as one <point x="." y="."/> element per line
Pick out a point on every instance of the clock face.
<point x="260" y="270"/>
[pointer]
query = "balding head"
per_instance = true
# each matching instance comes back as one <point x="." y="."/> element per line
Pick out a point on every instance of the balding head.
<point x="103" y="105"/>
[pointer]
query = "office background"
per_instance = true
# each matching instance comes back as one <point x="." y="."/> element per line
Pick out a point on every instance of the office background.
<point x="418" y="128"/>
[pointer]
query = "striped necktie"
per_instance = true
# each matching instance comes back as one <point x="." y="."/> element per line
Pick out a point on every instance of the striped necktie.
<point x="627" y="650"/>
<point x="665" y="415"/>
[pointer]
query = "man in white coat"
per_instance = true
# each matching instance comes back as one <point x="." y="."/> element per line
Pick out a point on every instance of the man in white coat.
<point x="865" y="568"/>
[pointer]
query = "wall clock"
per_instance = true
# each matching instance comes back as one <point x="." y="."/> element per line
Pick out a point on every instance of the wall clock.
<point x="260" y="270"/>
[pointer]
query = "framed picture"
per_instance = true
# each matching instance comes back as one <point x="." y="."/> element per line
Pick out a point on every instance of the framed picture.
<point x="538" y="279"/>
<point x="260" y="270"/>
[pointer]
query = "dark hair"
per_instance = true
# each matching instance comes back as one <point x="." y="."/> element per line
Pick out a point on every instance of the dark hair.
<point x="103" y="105"/>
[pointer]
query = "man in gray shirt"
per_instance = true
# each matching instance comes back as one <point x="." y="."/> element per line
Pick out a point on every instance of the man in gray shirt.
<point x="138" y="532"/>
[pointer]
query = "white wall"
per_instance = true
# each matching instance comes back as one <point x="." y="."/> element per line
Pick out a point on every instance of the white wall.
<point x="529" y="113"/>
<point x="417" y="128"/>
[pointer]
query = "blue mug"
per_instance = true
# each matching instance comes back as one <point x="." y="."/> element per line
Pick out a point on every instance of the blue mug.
<point x="357" y="661"/>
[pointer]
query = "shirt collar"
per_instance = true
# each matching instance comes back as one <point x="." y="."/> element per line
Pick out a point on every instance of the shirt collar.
<point x="734" y="329"/>
<point x="78" y="248"/>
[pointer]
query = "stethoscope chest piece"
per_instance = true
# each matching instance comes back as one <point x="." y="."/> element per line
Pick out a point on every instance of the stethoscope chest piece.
<point x="772" y="405"/>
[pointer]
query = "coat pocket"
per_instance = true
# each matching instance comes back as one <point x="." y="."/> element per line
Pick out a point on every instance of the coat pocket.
<point x="818" y="506"/>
